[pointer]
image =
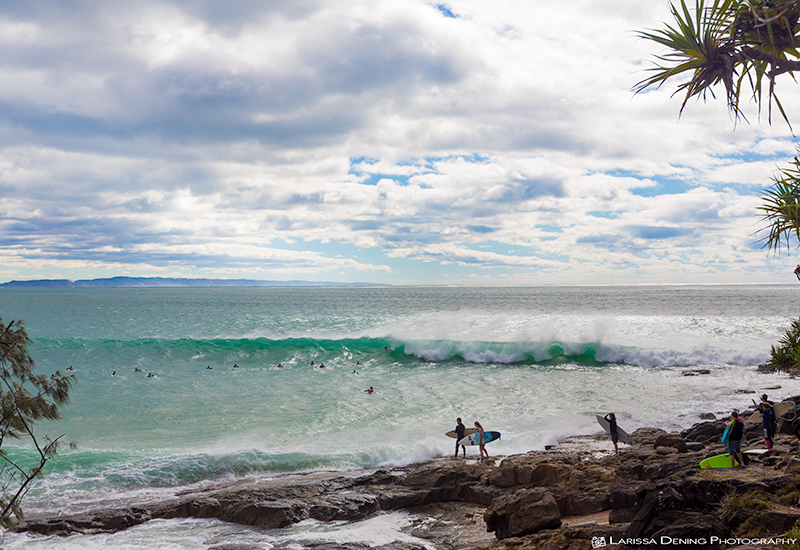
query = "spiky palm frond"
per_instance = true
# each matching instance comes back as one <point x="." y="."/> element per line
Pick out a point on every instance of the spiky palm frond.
<point x="728" y="42"/>
<point x="699" y="44"/>
<point x="780" y="205"/>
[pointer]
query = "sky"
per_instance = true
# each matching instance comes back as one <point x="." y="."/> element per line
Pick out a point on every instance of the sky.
<point x="399" y="142"/>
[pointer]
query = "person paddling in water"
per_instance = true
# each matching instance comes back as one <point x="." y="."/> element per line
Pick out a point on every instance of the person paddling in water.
<point x="481" y="440"/>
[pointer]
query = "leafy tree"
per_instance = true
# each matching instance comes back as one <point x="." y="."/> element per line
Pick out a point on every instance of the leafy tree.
<point x="25" y="398"/>
<point x="741" y="45"/>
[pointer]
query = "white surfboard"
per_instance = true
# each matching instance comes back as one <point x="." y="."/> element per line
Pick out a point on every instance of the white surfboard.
<point x="467" y="431"/>
<point x="781" y="409"/>
<point x="622" y="434"/>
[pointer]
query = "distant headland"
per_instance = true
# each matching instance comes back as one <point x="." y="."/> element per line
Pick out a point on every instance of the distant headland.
<point x="165" y="282"/>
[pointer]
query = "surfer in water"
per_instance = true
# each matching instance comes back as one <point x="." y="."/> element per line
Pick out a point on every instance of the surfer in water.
<point x="481" y="440"/>
<point x="369" y="391"/>
<point x="460" y="428"/>
<point x="611" y="418"/>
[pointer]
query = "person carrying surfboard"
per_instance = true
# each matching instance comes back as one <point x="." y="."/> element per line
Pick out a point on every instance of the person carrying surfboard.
<point x="460" y="428"/>
<point x="481" y="440"/>
<point x="735" y="439"/>
<point x="767" y="419"/>
<point x="611" y="418"/>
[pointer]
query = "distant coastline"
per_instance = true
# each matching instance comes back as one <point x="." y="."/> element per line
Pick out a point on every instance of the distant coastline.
<point x="164" y="282"/>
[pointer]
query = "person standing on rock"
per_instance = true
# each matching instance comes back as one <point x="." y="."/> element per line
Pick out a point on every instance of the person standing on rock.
<point x="767" y="420"/>
<point x="735" y="439"/>
<point x="611" y="418"/>
<point x="481" y="440"/>
<point x="460" y="428"/>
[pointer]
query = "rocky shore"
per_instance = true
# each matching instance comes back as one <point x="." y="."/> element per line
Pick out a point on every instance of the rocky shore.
<point x="575" y="495"/>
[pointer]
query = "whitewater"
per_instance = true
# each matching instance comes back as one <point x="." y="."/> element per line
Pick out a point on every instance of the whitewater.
<point x="178" y="388"/>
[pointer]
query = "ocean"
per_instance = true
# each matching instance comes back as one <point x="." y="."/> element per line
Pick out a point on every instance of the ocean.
<point x="535" y="363"/>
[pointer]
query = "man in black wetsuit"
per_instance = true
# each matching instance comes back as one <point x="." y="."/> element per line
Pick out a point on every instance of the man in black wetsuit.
<point x="611" y="418"/>
<point x="460" y="435"/>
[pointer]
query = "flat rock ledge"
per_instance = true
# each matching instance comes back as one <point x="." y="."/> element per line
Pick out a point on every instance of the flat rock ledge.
<point x="570" y="497"/>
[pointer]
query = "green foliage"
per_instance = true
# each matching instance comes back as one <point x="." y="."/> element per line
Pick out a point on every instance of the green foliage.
<point x="792" y="534"/>
<point x="25" y="398"/>
<point x="786" y="357"/>
<point x="751" y="501"/>
<point x="728" y="42"/>
<point x="780" y="205"/>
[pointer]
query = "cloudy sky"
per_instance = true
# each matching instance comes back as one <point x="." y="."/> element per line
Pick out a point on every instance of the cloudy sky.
<point x="402" y="142"/>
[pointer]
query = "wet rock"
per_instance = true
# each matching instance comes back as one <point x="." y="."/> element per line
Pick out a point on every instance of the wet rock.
<point x="522" y="513"/>
<point x="696" y="372"/>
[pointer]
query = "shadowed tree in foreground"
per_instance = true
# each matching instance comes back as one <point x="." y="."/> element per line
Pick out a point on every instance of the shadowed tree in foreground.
<point x="744" y="46"/>
<point x="25" y="398"/>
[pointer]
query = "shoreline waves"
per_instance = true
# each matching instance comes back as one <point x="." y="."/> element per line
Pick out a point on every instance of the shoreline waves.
<point x="534" y="363"/>
<point x="571" y="494"/>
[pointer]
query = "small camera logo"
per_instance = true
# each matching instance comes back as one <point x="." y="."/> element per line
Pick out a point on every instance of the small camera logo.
<point x="598" y="542"/>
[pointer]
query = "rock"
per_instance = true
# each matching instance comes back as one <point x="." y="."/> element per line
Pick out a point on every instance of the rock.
<point x="691" y="530"/>
<point x="707" y="416"/>
<point x="522" y="513"/>
<point x="704" y="431"/>
<point x="533" y="470"/>
<point x="792" y="467"/>
<point x="647" y="436"/>
<point x="695" y="446"/>
<point x="674" y="440"/>
<point x="656" y="502"/>
<point x="666" y="450"/>
<point x="267" y="515"/>
<point x="626" y="498"/>
<point x="588" y="500"/>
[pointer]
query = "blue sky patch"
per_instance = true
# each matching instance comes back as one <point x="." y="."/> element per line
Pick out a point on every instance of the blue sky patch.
<point x="446" y="11"/>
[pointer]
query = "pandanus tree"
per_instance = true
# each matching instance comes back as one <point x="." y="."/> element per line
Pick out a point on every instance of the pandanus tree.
<point x="744" y="47"/>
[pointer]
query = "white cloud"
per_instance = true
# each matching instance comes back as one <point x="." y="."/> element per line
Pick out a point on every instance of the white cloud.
<point x="226" y="139"/>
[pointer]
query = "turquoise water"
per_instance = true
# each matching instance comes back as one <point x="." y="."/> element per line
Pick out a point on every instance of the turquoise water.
<point x="535" y="363"/>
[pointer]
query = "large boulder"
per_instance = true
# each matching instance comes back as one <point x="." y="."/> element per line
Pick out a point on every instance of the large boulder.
<point x="522" y="513"/>
<point x="647" y="435"/>
<point x="705" y="431"/>
<point x="534" y="470"/>
<point x="673" y="440"/>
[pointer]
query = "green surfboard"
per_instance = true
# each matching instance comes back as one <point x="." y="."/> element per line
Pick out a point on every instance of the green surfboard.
<point x="719" y="461"/>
